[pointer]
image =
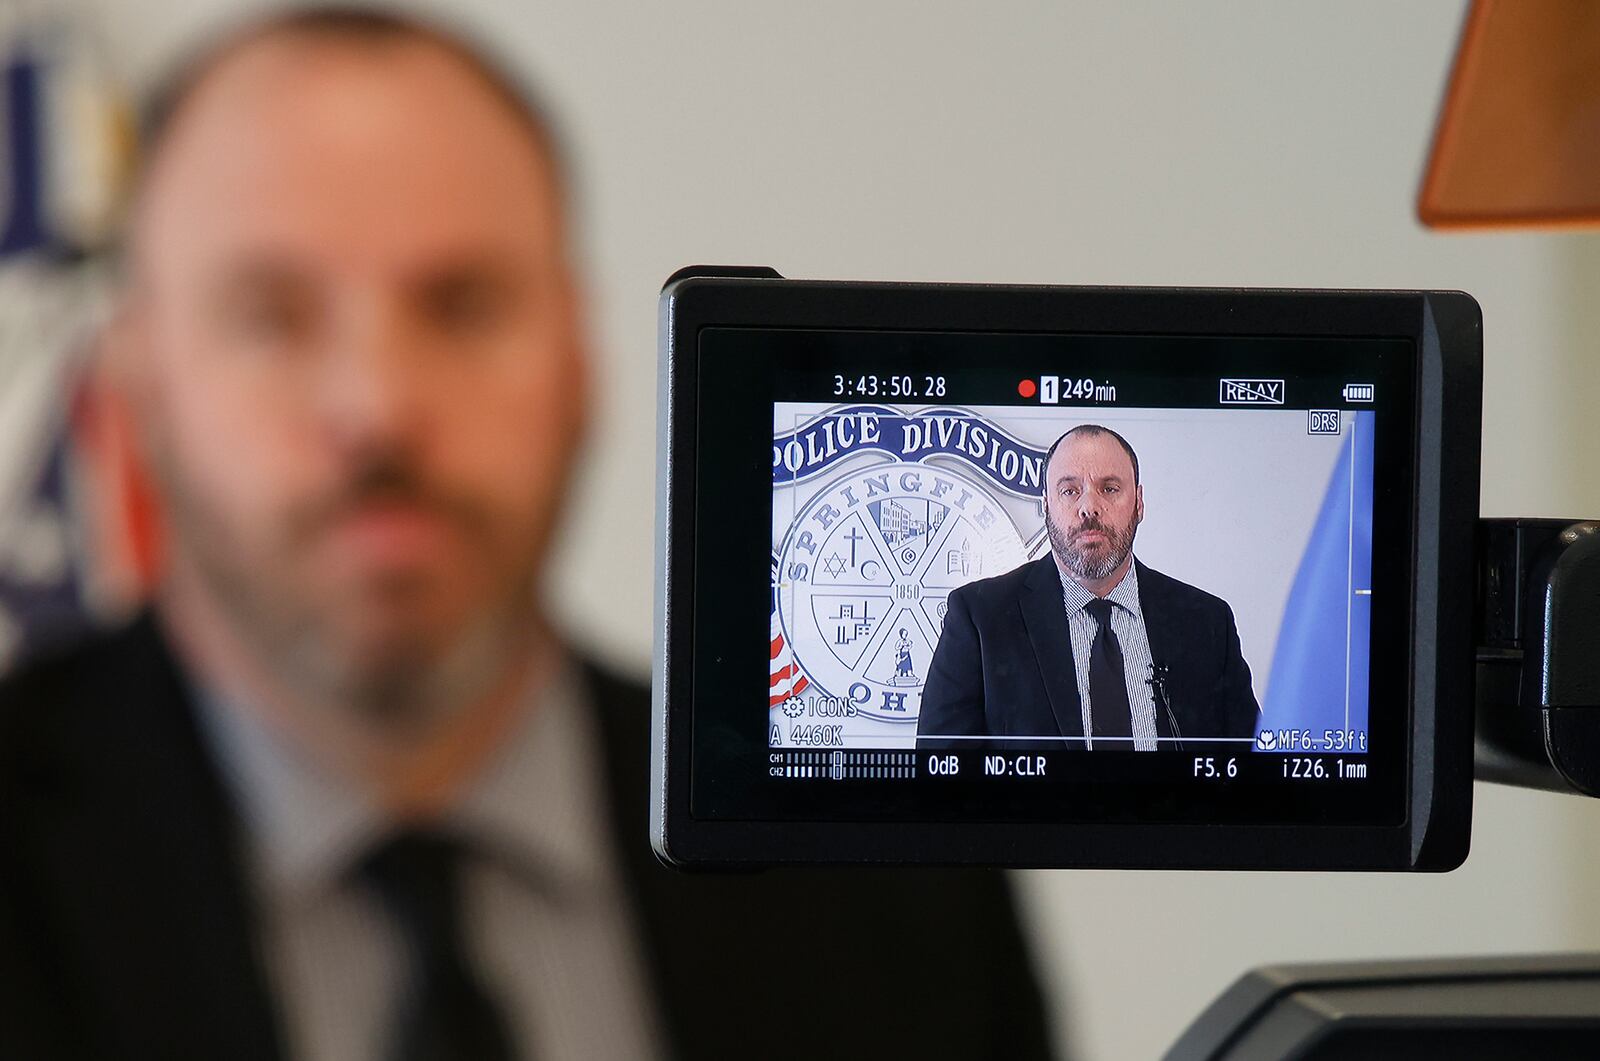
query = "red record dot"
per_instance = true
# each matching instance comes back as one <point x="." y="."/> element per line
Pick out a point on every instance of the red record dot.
<point x="1027" y="388"/>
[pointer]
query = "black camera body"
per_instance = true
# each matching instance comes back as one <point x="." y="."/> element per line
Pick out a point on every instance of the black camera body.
<point x="1538" y="635"/>
<point x="1276" y="492"/>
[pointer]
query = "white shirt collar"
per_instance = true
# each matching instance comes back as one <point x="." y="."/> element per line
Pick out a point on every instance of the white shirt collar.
<point x="1124" y="593"/>
<point x="536" y="808"/>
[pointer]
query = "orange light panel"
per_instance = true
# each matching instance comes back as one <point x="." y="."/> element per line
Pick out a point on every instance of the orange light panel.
<point x="1518" y="138"/>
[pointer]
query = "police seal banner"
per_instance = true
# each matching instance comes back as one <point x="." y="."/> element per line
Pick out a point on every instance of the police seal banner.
<point x="872" y="544"/>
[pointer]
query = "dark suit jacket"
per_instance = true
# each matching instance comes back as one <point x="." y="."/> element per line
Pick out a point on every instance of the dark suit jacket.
<point x="1004" y="662"/>
<point x="127" y="928"/>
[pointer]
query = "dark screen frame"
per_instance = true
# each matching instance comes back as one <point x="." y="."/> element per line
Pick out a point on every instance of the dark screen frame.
<point x="1444" y="329"/>
<point x="739" y="366"/>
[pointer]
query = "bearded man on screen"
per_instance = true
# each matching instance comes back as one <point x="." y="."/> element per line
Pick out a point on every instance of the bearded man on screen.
<point x="1088" y="645"/>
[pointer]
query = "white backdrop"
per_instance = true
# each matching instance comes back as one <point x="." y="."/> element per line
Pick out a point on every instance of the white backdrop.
<point x="1127" y="142"/>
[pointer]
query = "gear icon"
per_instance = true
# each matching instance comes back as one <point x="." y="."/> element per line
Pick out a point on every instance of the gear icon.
<point x="794" y="707"/>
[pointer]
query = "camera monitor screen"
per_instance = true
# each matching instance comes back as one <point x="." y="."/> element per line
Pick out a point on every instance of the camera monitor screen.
<point x="1042" y="579"/>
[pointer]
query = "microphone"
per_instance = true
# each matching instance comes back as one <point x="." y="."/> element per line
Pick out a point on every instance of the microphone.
<point x="1158" y="690"/>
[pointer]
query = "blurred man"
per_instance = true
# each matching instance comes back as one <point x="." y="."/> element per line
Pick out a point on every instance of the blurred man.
<point x="1089" y="644"/>
<point x="343" y="793"/>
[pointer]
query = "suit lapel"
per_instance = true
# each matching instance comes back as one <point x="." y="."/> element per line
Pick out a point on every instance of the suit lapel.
<point x="140" y="868"/>
<point x="664" y="915"/>
<point x="1045" y="615"/>
<point x="1158" y="617"/>
<point x="1164" y="626"/>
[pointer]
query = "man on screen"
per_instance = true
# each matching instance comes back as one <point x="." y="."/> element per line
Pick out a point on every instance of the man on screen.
<point x="1089" y="643"/>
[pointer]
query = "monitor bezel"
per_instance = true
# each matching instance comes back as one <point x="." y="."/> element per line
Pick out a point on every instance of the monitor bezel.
<point x="1445" y="328"/>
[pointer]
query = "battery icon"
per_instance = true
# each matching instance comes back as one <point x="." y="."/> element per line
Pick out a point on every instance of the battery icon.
<point x="1358" y="392"/>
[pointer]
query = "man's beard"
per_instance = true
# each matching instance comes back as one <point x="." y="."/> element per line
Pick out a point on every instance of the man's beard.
<point x="1087" y="564"/>
<point x="412" y="681"/>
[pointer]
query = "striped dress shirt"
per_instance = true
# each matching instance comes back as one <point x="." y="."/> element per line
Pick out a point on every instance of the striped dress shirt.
<point x="546" y="922"/>
<point x="1127" y="622"/>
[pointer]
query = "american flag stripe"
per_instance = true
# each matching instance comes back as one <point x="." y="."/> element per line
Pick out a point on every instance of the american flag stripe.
<point x="777" y="698"/>
<point x="786" y="680"/>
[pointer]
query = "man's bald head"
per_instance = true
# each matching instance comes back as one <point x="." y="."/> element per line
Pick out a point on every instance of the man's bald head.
<point x="353" y="28"/>
<point x="354" y="352"/>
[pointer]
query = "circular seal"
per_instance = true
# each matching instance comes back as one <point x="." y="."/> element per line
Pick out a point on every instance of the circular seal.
<point x="865" y="569"/>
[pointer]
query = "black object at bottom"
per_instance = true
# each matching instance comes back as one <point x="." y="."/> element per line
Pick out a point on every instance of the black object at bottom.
<point x="1471" y="1009"/>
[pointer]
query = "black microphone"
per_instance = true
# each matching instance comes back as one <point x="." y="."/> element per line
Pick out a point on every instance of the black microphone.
<point x="1158" y="689"/>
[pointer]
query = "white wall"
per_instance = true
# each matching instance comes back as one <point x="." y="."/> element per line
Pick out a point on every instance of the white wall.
<point x="1124" y="142"/>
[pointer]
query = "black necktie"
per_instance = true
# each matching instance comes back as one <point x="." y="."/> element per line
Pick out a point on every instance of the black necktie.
<point x="444" y="1013"/>
<point x="1109" y="712"/>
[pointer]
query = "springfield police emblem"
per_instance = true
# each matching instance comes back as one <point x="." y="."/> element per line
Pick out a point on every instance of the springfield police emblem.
<point x="878" y="513"/>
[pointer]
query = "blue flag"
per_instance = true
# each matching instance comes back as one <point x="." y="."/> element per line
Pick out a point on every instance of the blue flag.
<point x="1320" y="669"/>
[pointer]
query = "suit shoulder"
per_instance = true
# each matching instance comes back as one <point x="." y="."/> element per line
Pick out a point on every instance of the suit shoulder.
<point x="975" y="971"/>
<point x="611" y="688"/>
<point x="35" y="693"/>
<point x="56" y="705"/>
<point x="987" y="593"/>
<point x="1182" y="594"/>
<point x="621" y="707"/>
